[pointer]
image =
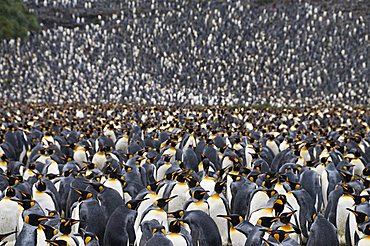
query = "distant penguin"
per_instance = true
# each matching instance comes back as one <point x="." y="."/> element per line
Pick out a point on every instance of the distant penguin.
<point x="122" y="144"/>
<point x="80" y="155"/>
<point x="272" y="144"/>
<point x="99" y="159"/>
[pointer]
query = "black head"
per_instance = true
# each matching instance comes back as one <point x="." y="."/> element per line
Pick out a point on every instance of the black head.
<point x="26" y="204"/>
<point x="161" y="203"/>
<point x="199" y="194"/>
<point x="159" y="229"/>
<point x="175" y="226"/>
<point x="192" y="182"/>
<point x="153" y="186"/>
<point x="365" y="229"/>
<point x="285" y="217"/>
<point x="220" y="186"/>
<point x="279" y="235"/>
<point x="266" y="221"/>
<point x="65" y="226"/>
<point x="234" y="219"/>
<point x="53" y="213"/>
<point x="49" y="231"/>
<point x="99" y="187"/>
<point x="35" y="219"/>
<point x="360" y="217"/>
<point x="83" y="194"/>
<point x="134" y="203"/>
<point x="9" y="192"/>
<point x="176" y="214"/>
<point x="40" y="186"/>
<point x="279" y="204"/>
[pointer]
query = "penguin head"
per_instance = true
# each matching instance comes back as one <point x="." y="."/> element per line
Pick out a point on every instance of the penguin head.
<point x="346" y="176"/>
<point x="348" y="189"/>
<point x="176" y="214"/>
<point x="89" y="236"/>
<point x="35" y="219"/>
<point x="51" y="176"/>
<point x="135" y="203"/>
<point x="52" y="213"/>
<point x="154" y="186"/>
<point x="361" y="199"/>
<point x="161" y="203"/>
<point x="4" y="158"/>
<point x="26" y="204"/>
<point x="40" y="186"/>
<point x="235" y="177"/>
<point x="279" y="235"/>
<point x="65" y="226"/>
<point x="220" y="186"/>
<point x="9" y="192"/>
<point x="175" y="226"/>
<point x="294" y="186"/>
<point x="268" y="183"/>
<point x="192" y="182"/>
<point x="12" y="180"/>
<point x="365" y="228"/>
<point x="360" y="217"/>
<point x="83" y="194"/>
<point x="279" y="204"/>
<point x="285" y="217"/>
<point x="366" y="171"/>
<point x="159" y="229"/>
<point x="234" y="219"/>
<point x="198" y="194"/>
<point x="181" y="177"/>
<point x="49" y="231"/>
<point x="267" y="221"/>
<point x="99" y="187"/>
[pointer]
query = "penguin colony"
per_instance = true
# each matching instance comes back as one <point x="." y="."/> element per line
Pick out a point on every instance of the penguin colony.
<point x="134" y="175"/>
<point x="191" y="52"/>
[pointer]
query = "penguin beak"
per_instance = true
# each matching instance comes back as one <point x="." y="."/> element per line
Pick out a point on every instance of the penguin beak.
<point x="171" y="198"/>
<point x="354" y="212"/>
<point x="224" y="216"/>
<point x="78" y="191"/>
<point x="293" y="212"/>
<point x="45" y="218"/>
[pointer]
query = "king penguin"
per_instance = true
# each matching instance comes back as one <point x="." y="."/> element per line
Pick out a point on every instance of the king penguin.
<point x="176" y="236"/>
<point x="218" y="206"/>
<point x="10" y="211"/>
<point x="322" y="232"/>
